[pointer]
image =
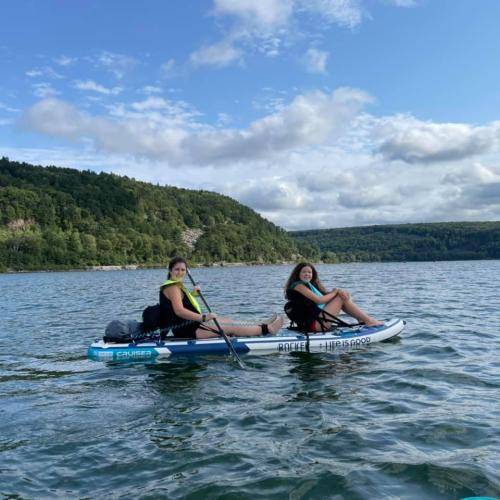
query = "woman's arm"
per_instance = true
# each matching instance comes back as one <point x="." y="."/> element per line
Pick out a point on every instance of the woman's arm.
<point x="324" y="299"/>
<point x="174" y="294"/>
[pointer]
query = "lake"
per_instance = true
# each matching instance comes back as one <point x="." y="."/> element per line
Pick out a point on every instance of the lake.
<point x="417" y="417"/>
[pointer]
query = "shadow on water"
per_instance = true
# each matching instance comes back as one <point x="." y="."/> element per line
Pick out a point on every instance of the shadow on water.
<point x="449" y="481"/>
<point x="320" y="377"/>
<point x="310" y="366"/>
<point x="177" y="376"/>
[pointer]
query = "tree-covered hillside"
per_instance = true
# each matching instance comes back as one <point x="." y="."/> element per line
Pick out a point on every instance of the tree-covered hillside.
<point x="406" y="242"/>
<point x="54" y="218"/>
<point x="60" y="218"/>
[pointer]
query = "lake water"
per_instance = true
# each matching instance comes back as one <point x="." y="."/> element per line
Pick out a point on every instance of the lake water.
<point x="413" y="418"/>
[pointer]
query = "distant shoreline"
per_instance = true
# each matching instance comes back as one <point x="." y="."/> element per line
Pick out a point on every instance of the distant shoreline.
<point x="134" y="267"/>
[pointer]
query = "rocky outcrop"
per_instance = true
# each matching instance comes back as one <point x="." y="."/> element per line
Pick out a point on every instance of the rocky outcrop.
<point x="190" y="237"/>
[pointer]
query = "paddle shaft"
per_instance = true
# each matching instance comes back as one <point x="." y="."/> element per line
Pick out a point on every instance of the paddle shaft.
<point x="221" y="331"/>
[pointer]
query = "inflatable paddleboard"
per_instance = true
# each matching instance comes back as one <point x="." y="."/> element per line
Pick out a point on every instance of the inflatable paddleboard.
<point x="285" y="341"/>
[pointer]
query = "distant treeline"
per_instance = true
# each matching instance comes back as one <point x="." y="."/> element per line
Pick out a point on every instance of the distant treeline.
<point x="56" y="218"/>
<point x="61" y="218"/>
<point x="405" y="242"/>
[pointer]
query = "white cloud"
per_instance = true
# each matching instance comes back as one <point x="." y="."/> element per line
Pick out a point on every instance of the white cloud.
<point x="167" y="69"/>
<point x="64" y="60"/>
<point x="314" y="162"/>
<point x="270" y="46"/>
<point x="157" y="128"/>
<point x="150" y="89"/>
<point x="315" y="60"/>
<point x="402" y="3"/>
<point x="151" y="103"/>
<point x="95" y="87"/>
<point x="274" y="14"/>
<point x="369" y="197"/>
<point x="412" y="141"/>
<point x="472" y="174"/>
<point x="219" y="55"/>
<point x="4" y="107"/>
<point x="270" y="26"/>
<point x="486" y="195"/>
<point x="56" y="118"/>
<point x="347" y="13"/>
<point x="267" y="13"/>
<point x="33" y="73"/>
<point x="157" y="113"/>
<point x="44" y="90"/>
<point x="46" y="71"/>
<point x="314" y="188"/>
<point x="272" y="194"/>
<point x="270" y="100"/>
<point x="327" y="179"/>
<point x="117" y="64"/>
<point x="223" y="119"/>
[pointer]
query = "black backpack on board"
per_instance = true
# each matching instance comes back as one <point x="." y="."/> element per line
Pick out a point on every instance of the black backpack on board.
<point x="123" y="331"/>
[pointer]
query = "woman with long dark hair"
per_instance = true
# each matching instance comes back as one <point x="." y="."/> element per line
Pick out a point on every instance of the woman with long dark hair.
<point x="315" y="304"/>
<point x="181" y="311"/>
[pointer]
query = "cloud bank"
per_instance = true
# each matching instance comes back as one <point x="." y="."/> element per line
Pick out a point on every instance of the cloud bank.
<point x="163" y="130"/>
<point x="319" y="160"/>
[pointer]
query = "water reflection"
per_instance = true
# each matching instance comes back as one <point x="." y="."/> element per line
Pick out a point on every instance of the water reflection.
<point x="180" y="375"/>
<point x="310" y="366"/>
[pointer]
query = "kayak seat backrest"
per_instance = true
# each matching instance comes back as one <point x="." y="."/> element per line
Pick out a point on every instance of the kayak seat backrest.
<point x="302" y="315"/>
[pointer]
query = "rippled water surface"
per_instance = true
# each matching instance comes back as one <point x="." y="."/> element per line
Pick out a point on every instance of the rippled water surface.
<point x="417" y="417"/>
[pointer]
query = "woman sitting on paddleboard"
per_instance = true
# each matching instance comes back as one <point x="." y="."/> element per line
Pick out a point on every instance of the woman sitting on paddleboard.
<point x="312" y="306"/>
<point x="178" y="306"/>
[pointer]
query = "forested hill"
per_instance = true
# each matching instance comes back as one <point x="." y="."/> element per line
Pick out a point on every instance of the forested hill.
<point x="60" y="218"/>
<point x="406" y="242"/>
<point x="56" y="218"/>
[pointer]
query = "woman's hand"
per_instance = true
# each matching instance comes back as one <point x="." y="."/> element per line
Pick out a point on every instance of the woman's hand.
<point x="208" y="317"/>
<point x="196" y="290"/>
<point x="343" y="294"/>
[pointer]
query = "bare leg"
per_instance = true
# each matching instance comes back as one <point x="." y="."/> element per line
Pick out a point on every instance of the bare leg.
<point x="353" y="310"/>
<point x="347" y="305"/>
<point x="239" y="330"/>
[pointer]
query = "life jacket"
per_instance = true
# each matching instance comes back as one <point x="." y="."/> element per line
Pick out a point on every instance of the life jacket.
<point x="300" y="310"/>
<point x="167" y="314"/>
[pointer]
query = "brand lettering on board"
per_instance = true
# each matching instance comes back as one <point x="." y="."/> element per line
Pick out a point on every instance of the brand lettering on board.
<point x="326" y="345"/>
<point x="133" y="355"/>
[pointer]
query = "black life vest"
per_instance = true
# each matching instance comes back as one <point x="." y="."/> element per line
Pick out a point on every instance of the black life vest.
<point x="300" y="310"/>
<point x="167" y="314"/>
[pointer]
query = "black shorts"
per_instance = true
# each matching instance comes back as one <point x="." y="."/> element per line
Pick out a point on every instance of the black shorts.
<point x="189" y="331"/>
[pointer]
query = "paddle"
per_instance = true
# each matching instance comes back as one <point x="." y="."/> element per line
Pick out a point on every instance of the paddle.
<point x="221" y="331"/>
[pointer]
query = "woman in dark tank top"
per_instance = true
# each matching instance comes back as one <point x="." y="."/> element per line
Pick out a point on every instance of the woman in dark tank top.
<point x="304" y="287"/>
<point x="180" y="309"/>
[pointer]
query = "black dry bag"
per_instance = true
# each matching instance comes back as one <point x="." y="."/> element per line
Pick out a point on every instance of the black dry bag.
<point x="123" y="331"/>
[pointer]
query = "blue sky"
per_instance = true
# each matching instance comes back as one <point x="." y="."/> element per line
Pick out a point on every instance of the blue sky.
<point x="316" y="113"/>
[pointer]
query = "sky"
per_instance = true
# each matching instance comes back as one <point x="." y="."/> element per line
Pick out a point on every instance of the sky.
<point x="315" y="113"/>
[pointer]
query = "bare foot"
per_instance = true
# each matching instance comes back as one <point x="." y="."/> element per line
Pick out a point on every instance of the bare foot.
<point x="271" y="319"/>
<point x="374" y="322"/>
<point x="276" y="325"/>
